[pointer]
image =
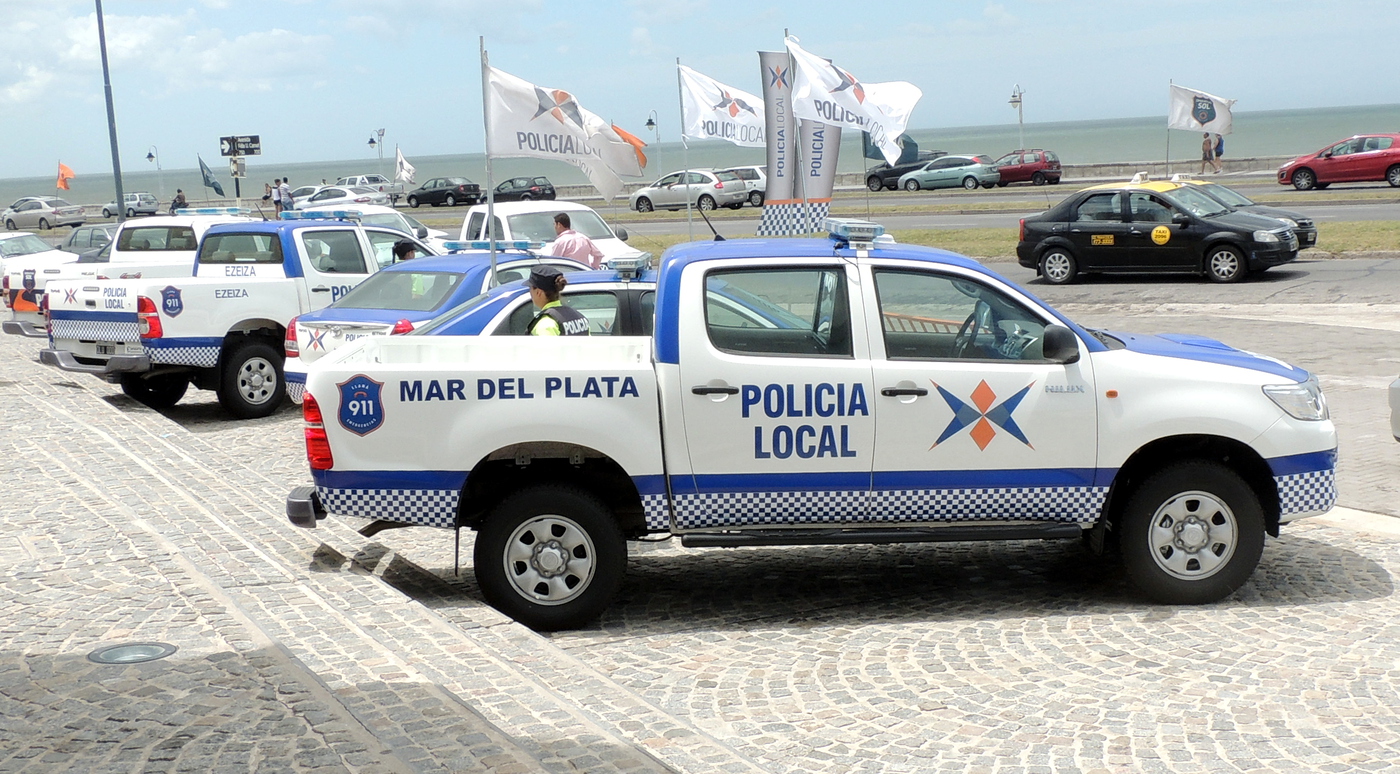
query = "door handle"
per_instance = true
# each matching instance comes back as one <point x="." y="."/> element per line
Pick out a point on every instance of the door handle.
<point x="894" y="392"/>
<point x="320" y="289"/>
<point x="705" y="389"/>
<point x="1135" y="232"/>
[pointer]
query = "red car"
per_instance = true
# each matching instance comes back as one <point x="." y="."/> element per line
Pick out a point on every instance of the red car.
<point x="1029" y="166"/>
<point x="1365" y="157"/>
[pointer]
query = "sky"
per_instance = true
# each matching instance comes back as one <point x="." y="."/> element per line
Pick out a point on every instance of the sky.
<point x="314" y="78"/>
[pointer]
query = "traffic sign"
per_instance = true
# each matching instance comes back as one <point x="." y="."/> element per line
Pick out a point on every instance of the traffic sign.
<point x="241" y="145"/>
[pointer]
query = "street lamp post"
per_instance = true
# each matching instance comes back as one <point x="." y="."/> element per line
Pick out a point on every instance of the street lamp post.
<point x="378" y="146"/>
<point x="1015" y="102"/>
<point x="153" y="154"/>
<point x="656" y="133"/>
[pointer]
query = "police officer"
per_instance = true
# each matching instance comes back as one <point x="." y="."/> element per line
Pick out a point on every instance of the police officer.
<point x="553" y="319"/>
<point x="404" y="250"/>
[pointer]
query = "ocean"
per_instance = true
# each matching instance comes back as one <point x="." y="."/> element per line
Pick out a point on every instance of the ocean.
<point x="1259" y="133"/>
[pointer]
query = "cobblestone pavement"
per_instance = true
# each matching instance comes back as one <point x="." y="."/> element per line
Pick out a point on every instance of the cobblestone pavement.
<point x="323" y="650"/>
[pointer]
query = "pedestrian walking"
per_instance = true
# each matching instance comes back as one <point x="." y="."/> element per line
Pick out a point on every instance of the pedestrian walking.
<point x="571" y="244"/>
<point x="1208" y="154"/>
<point x="276" y="189"/>
<point x="286" y="190"/>
<point x="1219" y="153"/>
<point x="553" y="318"/>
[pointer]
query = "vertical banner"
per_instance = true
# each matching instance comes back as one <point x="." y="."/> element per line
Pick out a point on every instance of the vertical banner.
<point x="782" y="210"/>
<point x="819" y="146"/>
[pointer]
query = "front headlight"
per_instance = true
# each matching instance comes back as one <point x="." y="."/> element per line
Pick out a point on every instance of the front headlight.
<point x="1289" y="222"/>
<point x="1265" y="237"/>
<point x="1301" y="401"/>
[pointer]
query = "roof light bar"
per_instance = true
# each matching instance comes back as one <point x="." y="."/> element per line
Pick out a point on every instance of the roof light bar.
<point x="214" y="211"/>
<point x="319" y="215"/>
<point x="856" y="233"/>
<point x="485" y="244"/>
<point x="1140" y="177"/>
<point x="630" y="267"/>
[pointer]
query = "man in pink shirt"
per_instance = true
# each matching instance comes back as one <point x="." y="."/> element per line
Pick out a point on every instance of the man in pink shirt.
<point x="571" y="244"/>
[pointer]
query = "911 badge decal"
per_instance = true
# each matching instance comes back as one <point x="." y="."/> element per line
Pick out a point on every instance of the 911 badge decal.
<point x="361" y="404"/>
<point x="978" y="414"/>
<point x="170" y="301"/>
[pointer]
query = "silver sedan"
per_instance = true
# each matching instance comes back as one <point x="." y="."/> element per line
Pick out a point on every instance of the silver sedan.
<point x="41" y="212"/>
<point x="332" y="196"/>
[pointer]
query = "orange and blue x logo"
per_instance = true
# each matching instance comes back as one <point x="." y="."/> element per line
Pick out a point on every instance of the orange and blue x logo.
<point x="982" y="414"/>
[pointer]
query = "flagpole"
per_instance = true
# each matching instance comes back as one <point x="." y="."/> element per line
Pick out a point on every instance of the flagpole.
<point x="111" y="116"/>
<point x="490" y="180"/>
<point x="797" y="146"/>
<point x="685" y="156"/>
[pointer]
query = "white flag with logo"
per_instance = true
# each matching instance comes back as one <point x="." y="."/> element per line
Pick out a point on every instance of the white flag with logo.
<point x="713" y="111"/>
<point x="403" y="171"/>
<point x="823" y="92"/>
<point x="526" y="120"/>
<point x="1197" y="110"/>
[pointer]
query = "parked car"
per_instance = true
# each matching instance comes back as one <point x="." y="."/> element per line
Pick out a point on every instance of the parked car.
<point x="451" y="191"/>
<point x="970" y="172"/>
<point x="334" y="196"/>
<point x="379" y="183"/>
<point x="1363" y="158"/>
<point x="885" y="176"/>
<point x="1154" y="227"/>
<point x="85" y="238"/>
<point x="1301" y="224"/>
<point x="41" y="212"/>
<point x="305" y="192"/>
<point x="534" y="222"/>
<point x="705" y="189"/>
<point x="1034" y="165"/>
<point x="523" y="189"/>
<point x="756" y="179"/>
<point x="138" y="203"/>
<point x="22" y="244"/>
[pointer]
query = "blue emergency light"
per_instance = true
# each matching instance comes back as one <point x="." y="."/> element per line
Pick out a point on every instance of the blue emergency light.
<point x="630" y="267"/>
<point x="855" y="233"/>
<point x="214" y="211"/>
<point x="319" y="215"/>
<point x="485" y="244"/>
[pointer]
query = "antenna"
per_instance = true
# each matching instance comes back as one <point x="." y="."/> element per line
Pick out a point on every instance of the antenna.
<point x="718" y="238"/>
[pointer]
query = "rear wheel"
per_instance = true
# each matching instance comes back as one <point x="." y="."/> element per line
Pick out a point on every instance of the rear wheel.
<point x="1304" y="179"/>
<point x="970" y="183"/>
<point x="413" y="202"/>
<point x="1192" y="534"/>
<point x="706" y="203"/>
<point x="1001" y="185"/>
<point x="525" y="197"/>
<point x="735" y="205"/>
<point x="1058" y="266"/>
<point x="451" y="200"/>
<point x="756" y="198"/>
<point x="43" y="224"/>
<point x="989" y="185"/>
<point x="911" y="185"/>
<point x="252" y="385"/>
<point x="644" y="205"/>
<point x="157" y="393"/>
<point x="1225" y="264"/>
<point x="1038" y="178"/>
<point x="1392" y="176"/>
<point x="873" y="183"/>
<point x="551" y="557"/>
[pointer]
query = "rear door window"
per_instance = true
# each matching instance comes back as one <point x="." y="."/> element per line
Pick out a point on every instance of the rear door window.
<point x="157" y="238"/>
<point x="1102" y="207"/>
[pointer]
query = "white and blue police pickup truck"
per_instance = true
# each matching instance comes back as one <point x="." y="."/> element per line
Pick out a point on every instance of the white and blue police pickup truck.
<point x="221" y="329"/>
<point x="878" y="394"/>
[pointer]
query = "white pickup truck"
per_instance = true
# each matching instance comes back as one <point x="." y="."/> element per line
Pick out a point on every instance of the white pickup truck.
<point x="221" y="329"/>
<point x="159" y="246"/>
<point x="877" y="393"/>
<point x="379" y="183"/>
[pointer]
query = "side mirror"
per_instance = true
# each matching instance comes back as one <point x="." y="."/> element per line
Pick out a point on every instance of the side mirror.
<point x="421" y="232"/>
<point x="1059" y="344"/>
<point x="621" y="233"/>
<point x="1181" y="219"/>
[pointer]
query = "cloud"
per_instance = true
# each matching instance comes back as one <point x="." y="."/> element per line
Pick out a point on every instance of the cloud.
<point x="655" y="12"/>
<point x="642" y="44"/>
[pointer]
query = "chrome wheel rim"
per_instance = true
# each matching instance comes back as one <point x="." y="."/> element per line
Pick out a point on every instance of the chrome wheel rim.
<point x="706" y="204"/>
<point x="1057" y="267"/>
<point x="1193" y="535"/>
<point x="1303" y="181"/>
<point x="549" y="560"/>
<point x="1224" y="264"/>
<point x="970" y="183"/>
<point x="1394" y="177"/>
<point x="257" y="381"/>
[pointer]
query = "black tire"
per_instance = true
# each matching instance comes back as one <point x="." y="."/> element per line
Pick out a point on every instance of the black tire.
<point x="1192" y="533"/>
<point x="584" y="550"/>
<point x="989" y="185"/>
<point x="1321" y="186"/>
<point x="1038" y="178"/>
<point x="106" y="213"/>
<point x="735" y="205"/>
<point x="157" y="393"/>
<point x="1058" y="266"/>
<point x="971" y="183"/>
<point x="450" y="201"/>
<point x="10" y="225"/>
<point x="43" y="224"/>
<point x="911" y="185"/>
<point x="1002" y="185"/>
<point x="1225" y="264"/>
<point x="130" y="213"/>
<point x="644" y="205"/>
<point x="1304" y="179"/>
<point x="525" y="197"/>
<point x="873" y="183"/>
<point x="251" y="382"/>
<point x="1392" y="176"/>
<point x="756" y="198"/>
<point x="706" y="203"/>
<point x="413" y="202"/>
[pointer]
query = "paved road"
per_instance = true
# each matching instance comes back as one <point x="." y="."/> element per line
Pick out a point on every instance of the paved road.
<point x="326" y="651"/>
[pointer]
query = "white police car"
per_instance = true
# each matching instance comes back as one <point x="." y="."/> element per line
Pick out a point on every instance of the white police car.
<point x="904" y="394"/>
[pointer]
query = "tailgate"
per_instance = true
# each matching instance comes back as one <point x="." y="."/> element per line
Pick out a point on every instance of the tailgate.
<point x="94" y="319"/>
<point x="316" y="339"/>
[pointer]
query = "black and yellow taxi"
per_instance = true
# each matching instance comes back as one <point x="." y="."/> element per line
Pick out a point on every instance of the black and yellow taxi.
<point x="1147" y="226"/>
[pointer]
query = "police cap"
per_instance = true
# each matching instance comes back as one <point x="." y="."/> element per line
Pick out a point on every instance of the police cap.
<point x="545" y="277"/>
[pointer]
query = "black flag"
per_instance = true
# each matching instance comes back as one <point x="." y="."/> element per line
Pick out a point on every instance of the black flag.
<point x="209" y="181"/>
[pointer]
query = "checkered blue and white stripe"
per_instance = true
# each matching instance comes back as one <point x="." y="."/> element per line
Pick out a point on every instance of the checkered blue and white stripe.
<point x="1311" y="492"/>
<point x="295" y="390"/>
<point x="85" y="330"/>
<point x="733" y="509"/>
<point x="794" y="218"/>
<point x="203" y="357"/>
<point x="654" y="510"/>
<point x="426" y="507"/>
<point x="1077" y="504"/>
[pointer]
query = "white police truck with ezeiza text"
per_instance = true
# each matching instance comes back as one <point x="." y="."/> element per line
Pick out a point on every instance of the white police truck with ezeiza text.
<point x="894" y="394"/>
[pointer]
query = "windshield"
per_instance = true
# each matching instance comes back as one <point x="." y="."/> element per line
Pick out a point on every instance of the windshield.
<point x="449" y="316"/>
<point x="1228" y="195"/>
<point x="410" y="291"/>
<point x="539" y="226"/>
<point x="1197" y="203"/>
<point x="24" y="245"/>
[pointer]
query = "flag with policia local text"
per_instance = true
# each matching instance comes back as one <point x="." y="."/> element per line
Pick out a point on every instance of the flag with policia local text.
<point x="403" y="171"/>
<point x="825" y="93"/>
<point x="714" y="111"/>
<point x="1199" y="111"/>
<point x="534" y="122"/>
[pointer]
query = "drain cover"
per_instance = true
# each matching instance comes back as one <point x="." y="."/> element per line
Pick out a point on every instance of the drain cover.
<point x="131" y="653"/>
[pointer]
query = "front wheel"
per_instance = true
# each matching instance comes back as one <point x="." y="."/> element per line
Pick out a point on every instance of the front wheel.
<point x="1304" y="179"/>
<point x="873" y="183"/>
<point x="706" y="203"/>
<point x="644" y="205"/>
<point x="970" y="183"/>
<point x="251" y="385"/>
<point x="550" y="556"/>
<point x="156" y="393"/>
<point x="1058" y="267"/>
<point x="911" y="185"/>
<point x="756" y="198"/>
<point x="1192" y="534"/>
<point x="1225" y="264"/>
<point x="106" y="213"/>
<point x="413" y="202"/>
<point x="130" y="213"/>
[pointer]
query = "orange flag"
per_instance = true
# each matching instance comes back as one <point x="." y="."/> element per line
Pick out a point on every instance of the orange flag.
<point x="635" y="142"/>
<point x="64" y="175"/>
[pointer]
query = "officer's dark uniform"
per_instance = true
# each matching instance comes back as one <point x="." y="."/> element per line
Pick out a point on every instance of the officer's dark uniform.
<point x="554" y="319"/>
